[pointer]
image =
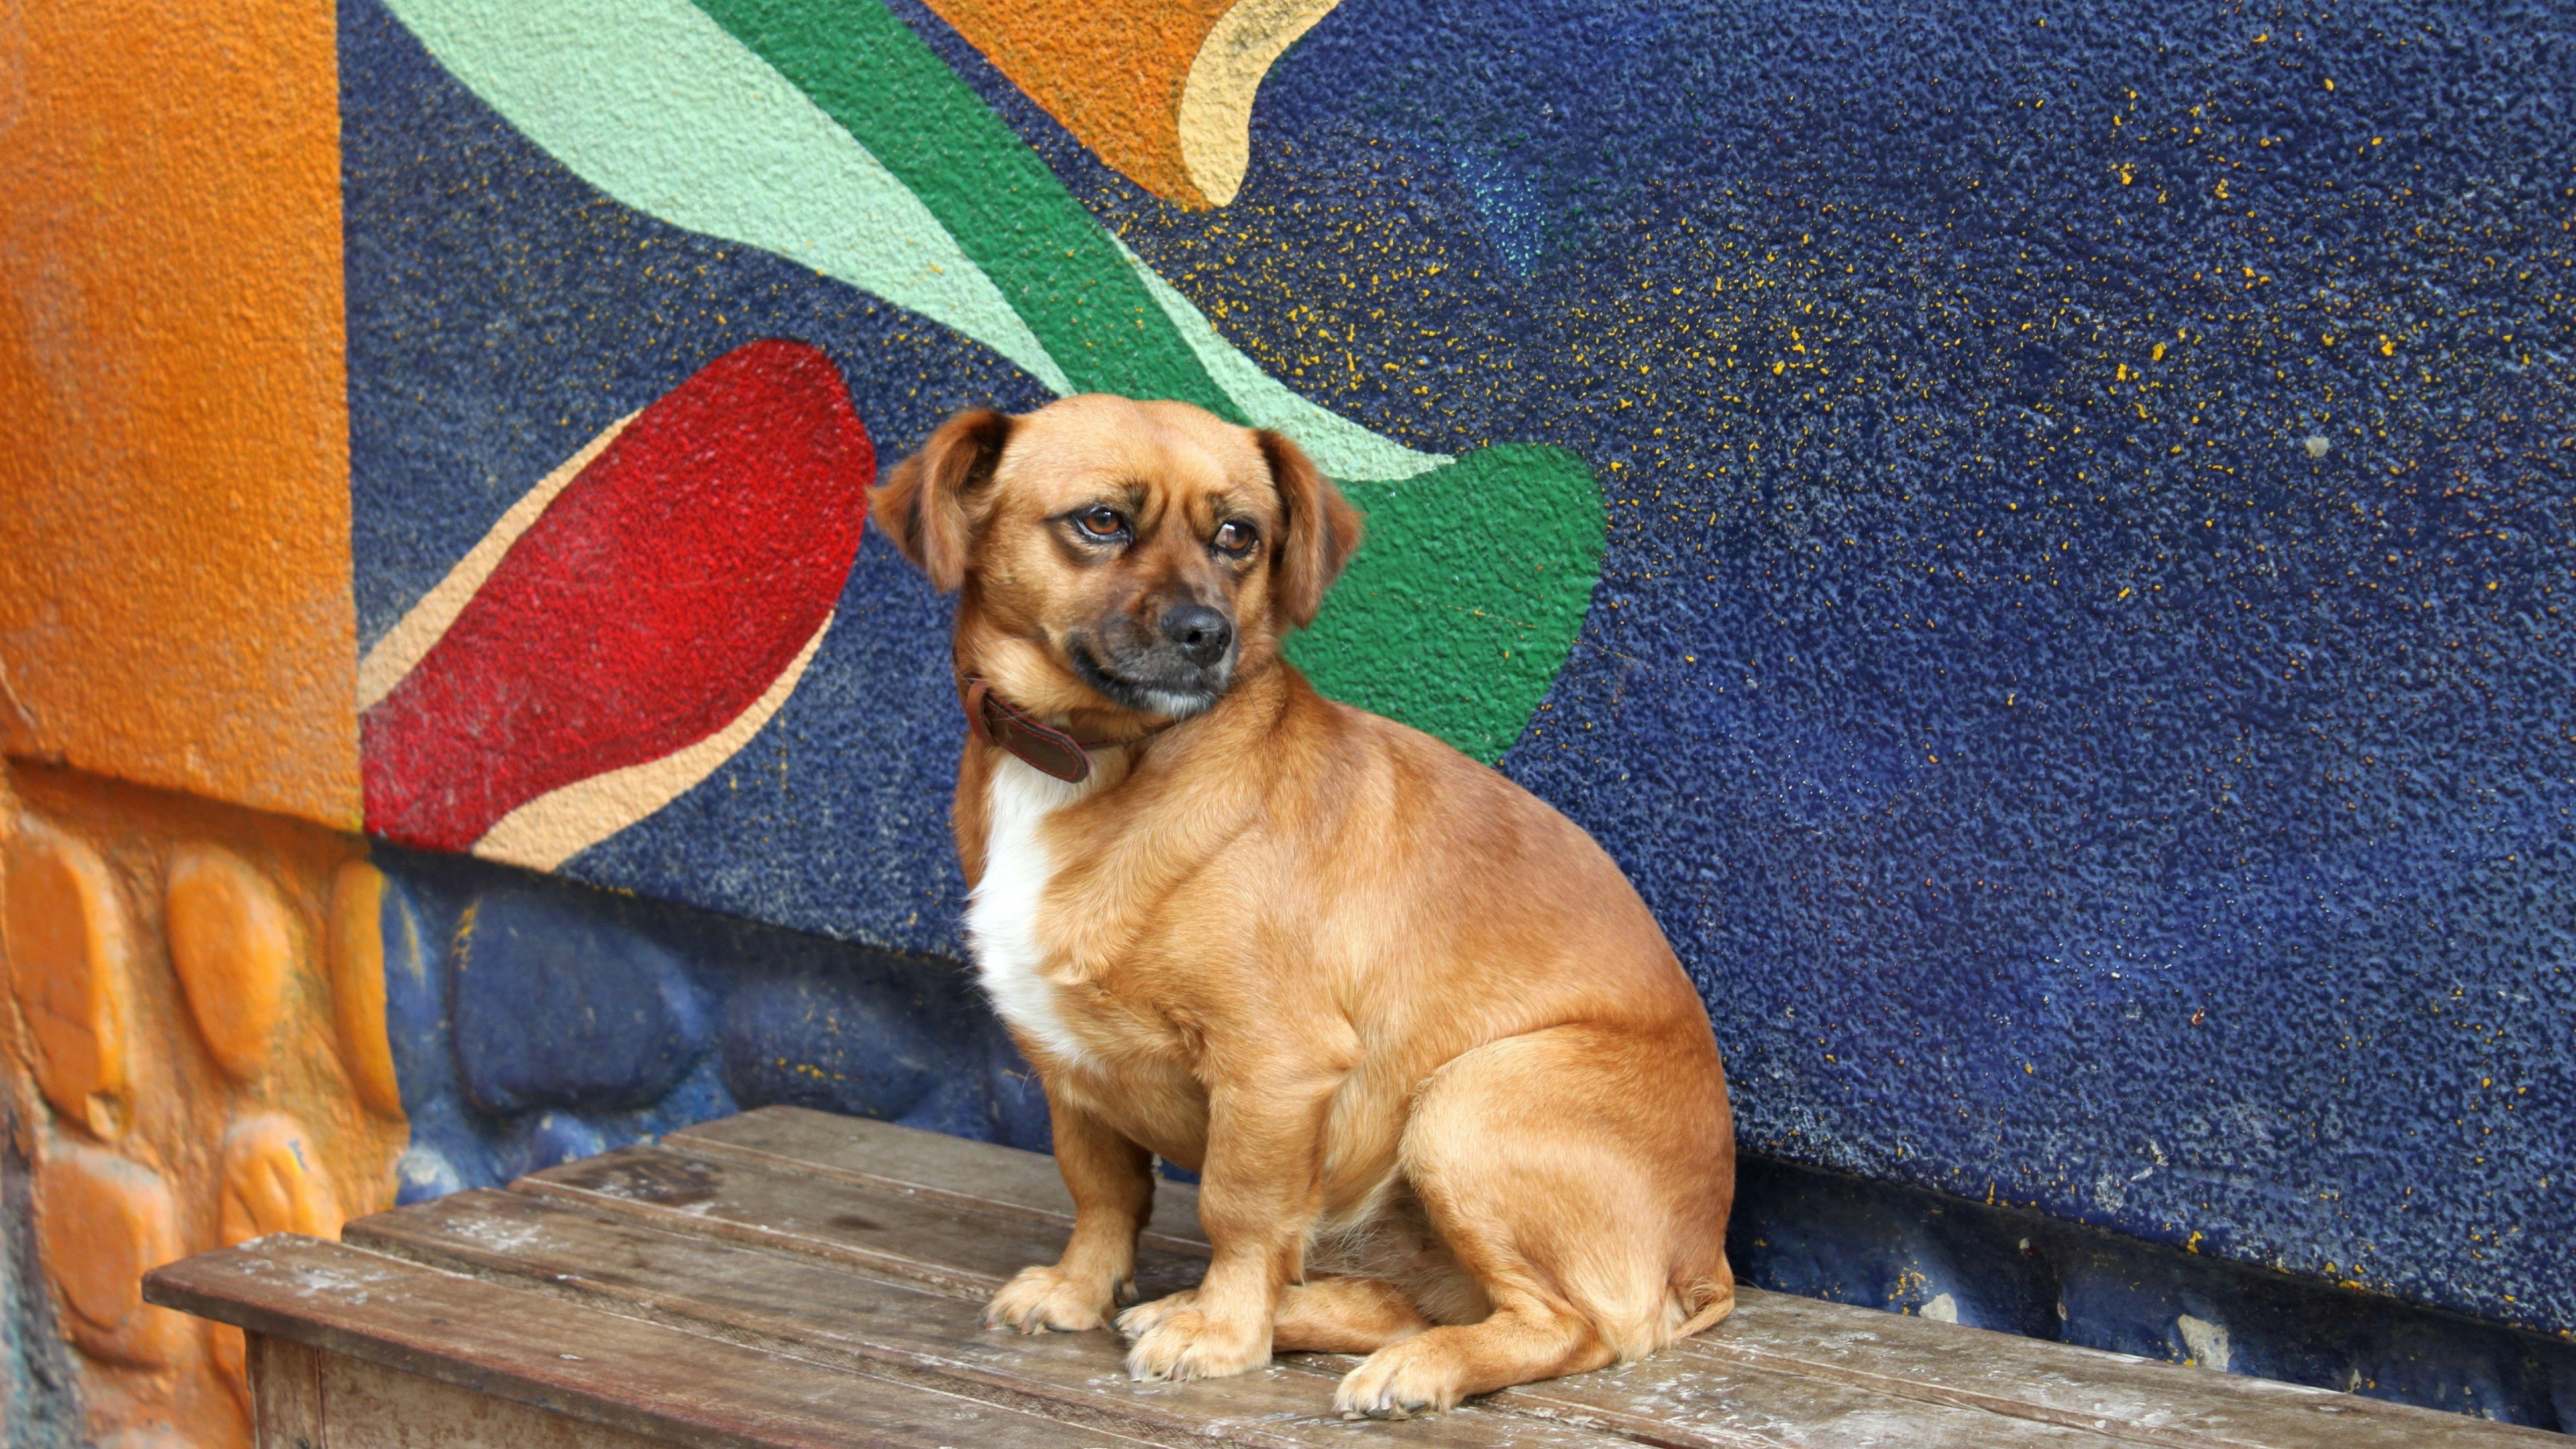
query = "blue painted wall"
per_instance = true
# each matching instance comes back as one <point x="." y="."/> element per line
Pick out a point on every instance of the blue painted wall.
<point x="533" y="1023"/>
<point x="2080" y="669"/>
<point x="537" y="1021"/>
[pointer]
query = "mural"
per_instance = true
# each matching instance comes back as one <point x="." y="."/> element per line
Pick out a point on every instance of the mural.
<point x="775" y="128"/>
<point x="628" y="624"/>
<point x="534" y="1024"/>
<point x="2039" y="540"/>
<point x="2063" y="631"/>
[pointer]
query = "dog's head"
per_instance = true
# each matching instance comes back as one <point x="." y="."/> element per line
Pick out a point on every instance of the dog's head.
<point x="1116" y="555"/>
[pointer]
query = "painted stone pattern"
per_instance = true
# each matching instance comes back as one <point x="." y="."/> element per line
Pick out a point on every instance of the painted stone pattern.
<point x="533" y="1024"/>
<point x="181" y="1076"/>
<point x="2038" y="540"/>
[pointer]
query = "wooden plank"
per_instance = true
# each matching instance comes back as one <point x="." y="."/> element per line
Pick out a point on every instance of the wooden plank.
<point x="1668" y="1399"/>
<point x="787" y="1303"/>
<point x="2053" y="1383"/>
<point x="285" y="1394"/>
<point x="374" y="1407"/>
<point x="933" y="1240"/>
<point x="2142" y="1399"/>
<point x="639" y="1378"/>
<point x="1707" y="1404"/>
<point x="908" y="1159"/>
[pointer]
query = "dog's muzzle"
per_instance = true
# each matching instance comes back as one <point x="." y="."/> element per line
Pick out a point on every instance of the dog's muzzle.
<point x="1177" y="668"/>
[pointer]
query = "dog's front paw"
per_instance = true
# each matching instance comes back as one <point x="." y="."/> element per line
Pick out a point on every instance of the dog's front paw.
<point x="1402" y="1379"/>
<point x="1186" y="1344"/>
<point x="1138" y="1321"/>
<point x="1045" y="1297"/>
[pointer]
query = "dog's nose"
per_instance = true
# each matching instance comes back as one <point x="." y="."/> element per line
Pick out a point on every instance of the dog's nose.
<point x="1203" y="634"/>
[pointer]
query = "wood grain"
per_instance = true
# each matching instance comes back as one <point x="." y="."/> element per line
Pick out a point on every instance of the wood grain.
<point x="1882" y="1353"/>
<point x="622" y="1373"/>
<point x="1722" y="1405"/>
<point x="854" y="1149"/>
<point x="929" y="1239"/>
<point x="2147" y="1401"/>
<point x="369" y="1406"/>
<point x="786" y="1278"/>
<point x="778" y="1299"/>
<point x="285" y="1394"/>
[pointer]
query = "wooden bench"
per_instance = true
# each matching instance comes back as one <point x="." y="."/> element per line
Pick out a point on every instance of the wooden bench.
<point x="786" y="1277"/>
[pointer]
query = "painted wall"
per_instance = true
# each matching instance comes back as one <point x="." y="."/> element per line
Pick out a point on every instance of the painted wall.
<point x="2078" y="508"/>
<point x="2038" y="540"/>
<point x="174" y="566"/>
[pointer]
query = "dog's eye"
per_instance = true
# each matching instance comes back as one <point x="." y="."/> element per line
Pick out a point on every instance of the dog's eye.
<point x="1101" y="522"/>
<point x="1236" y="538"/>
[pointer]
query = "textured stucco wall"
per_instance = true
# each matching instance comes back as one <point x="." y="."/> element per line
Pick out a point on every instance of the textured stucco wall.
<point x="174" y="609"/>
<point x="2039" y="540"/>
<point x="174" y="568"/>
<point x="2078" y="658"/>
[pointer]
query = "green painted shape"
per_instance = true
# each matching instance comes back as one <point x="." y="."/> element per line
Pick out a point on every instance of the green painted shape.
<point x="661" y="108"/>
<point x="824" y="132"/>
<point x="868" y="71"/>
<point x="654" y="104"/>
<point x="1466" y="596"/>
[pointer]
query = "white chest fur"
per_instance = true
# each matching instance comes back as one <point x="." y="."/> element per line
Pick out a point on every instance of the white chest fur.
<point x="1004" y="916"/>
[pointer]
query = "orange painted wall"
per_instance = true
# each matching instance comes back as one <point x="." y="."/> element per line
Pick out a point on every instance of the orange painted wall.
<point x="174" y="546"/>
<point x="1061" y="55"/>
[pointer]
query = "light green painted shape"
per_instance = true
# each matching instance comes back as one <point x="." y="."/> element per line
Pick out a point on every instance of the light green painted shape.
<point x="659" y="106"/>
<point x="655" y="104"/>
<point x="1454" y="619"/>
<point x="1342" y="448"/>
<point x="866" y="69"/>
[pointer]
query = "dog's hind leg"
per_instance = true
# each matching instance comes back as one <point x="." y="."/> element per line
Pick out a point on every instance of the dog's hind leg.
<point x="1343" y="1315"/>
<point x="1582" y="1176"/>
<point x="1521" y="1342"/>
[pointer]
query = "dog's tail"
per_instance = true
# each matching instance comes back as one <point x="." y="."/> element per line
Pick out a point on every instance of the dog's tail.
<point x="1715" y="1300"/>
<point x="1705" y="1300"/>
<point x="1650" y="1326"/>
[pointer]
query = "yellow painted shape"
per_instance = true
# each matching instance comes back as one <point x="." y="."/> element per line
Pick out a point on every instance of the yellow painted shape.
<point x="1160" y="89"/>
<point x="234" y="949"/>
<point x="102" y="1222"/>
<point x="66" y="948"/>
<point x="1215" y="120"/>
<point x="358" y="985"/>
<point x="175" y="602"/>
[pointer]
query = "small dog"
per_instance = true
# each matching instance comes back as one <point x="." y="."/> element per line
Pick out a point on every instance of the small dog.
<point x="1371" y="990"/>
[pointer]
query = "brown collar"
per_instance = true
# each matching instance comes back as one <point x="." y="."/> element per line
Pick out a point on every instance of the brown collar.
<point x="1046" y="749"/>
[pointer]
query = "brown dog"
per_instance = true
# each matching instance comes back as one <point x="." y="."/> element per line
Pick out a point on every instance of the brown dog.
<point x="1369" y="988"/>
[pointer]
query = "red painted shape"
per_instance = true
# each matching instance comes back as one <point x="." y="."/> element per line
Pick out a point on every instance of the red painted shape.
<point x="658" y="596"/>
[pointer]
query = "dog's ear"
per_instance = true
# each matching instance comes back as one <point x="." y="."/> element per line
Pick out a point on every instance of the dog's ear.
<point x="922" y="503"/>
<point x="1321" y="529"/>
